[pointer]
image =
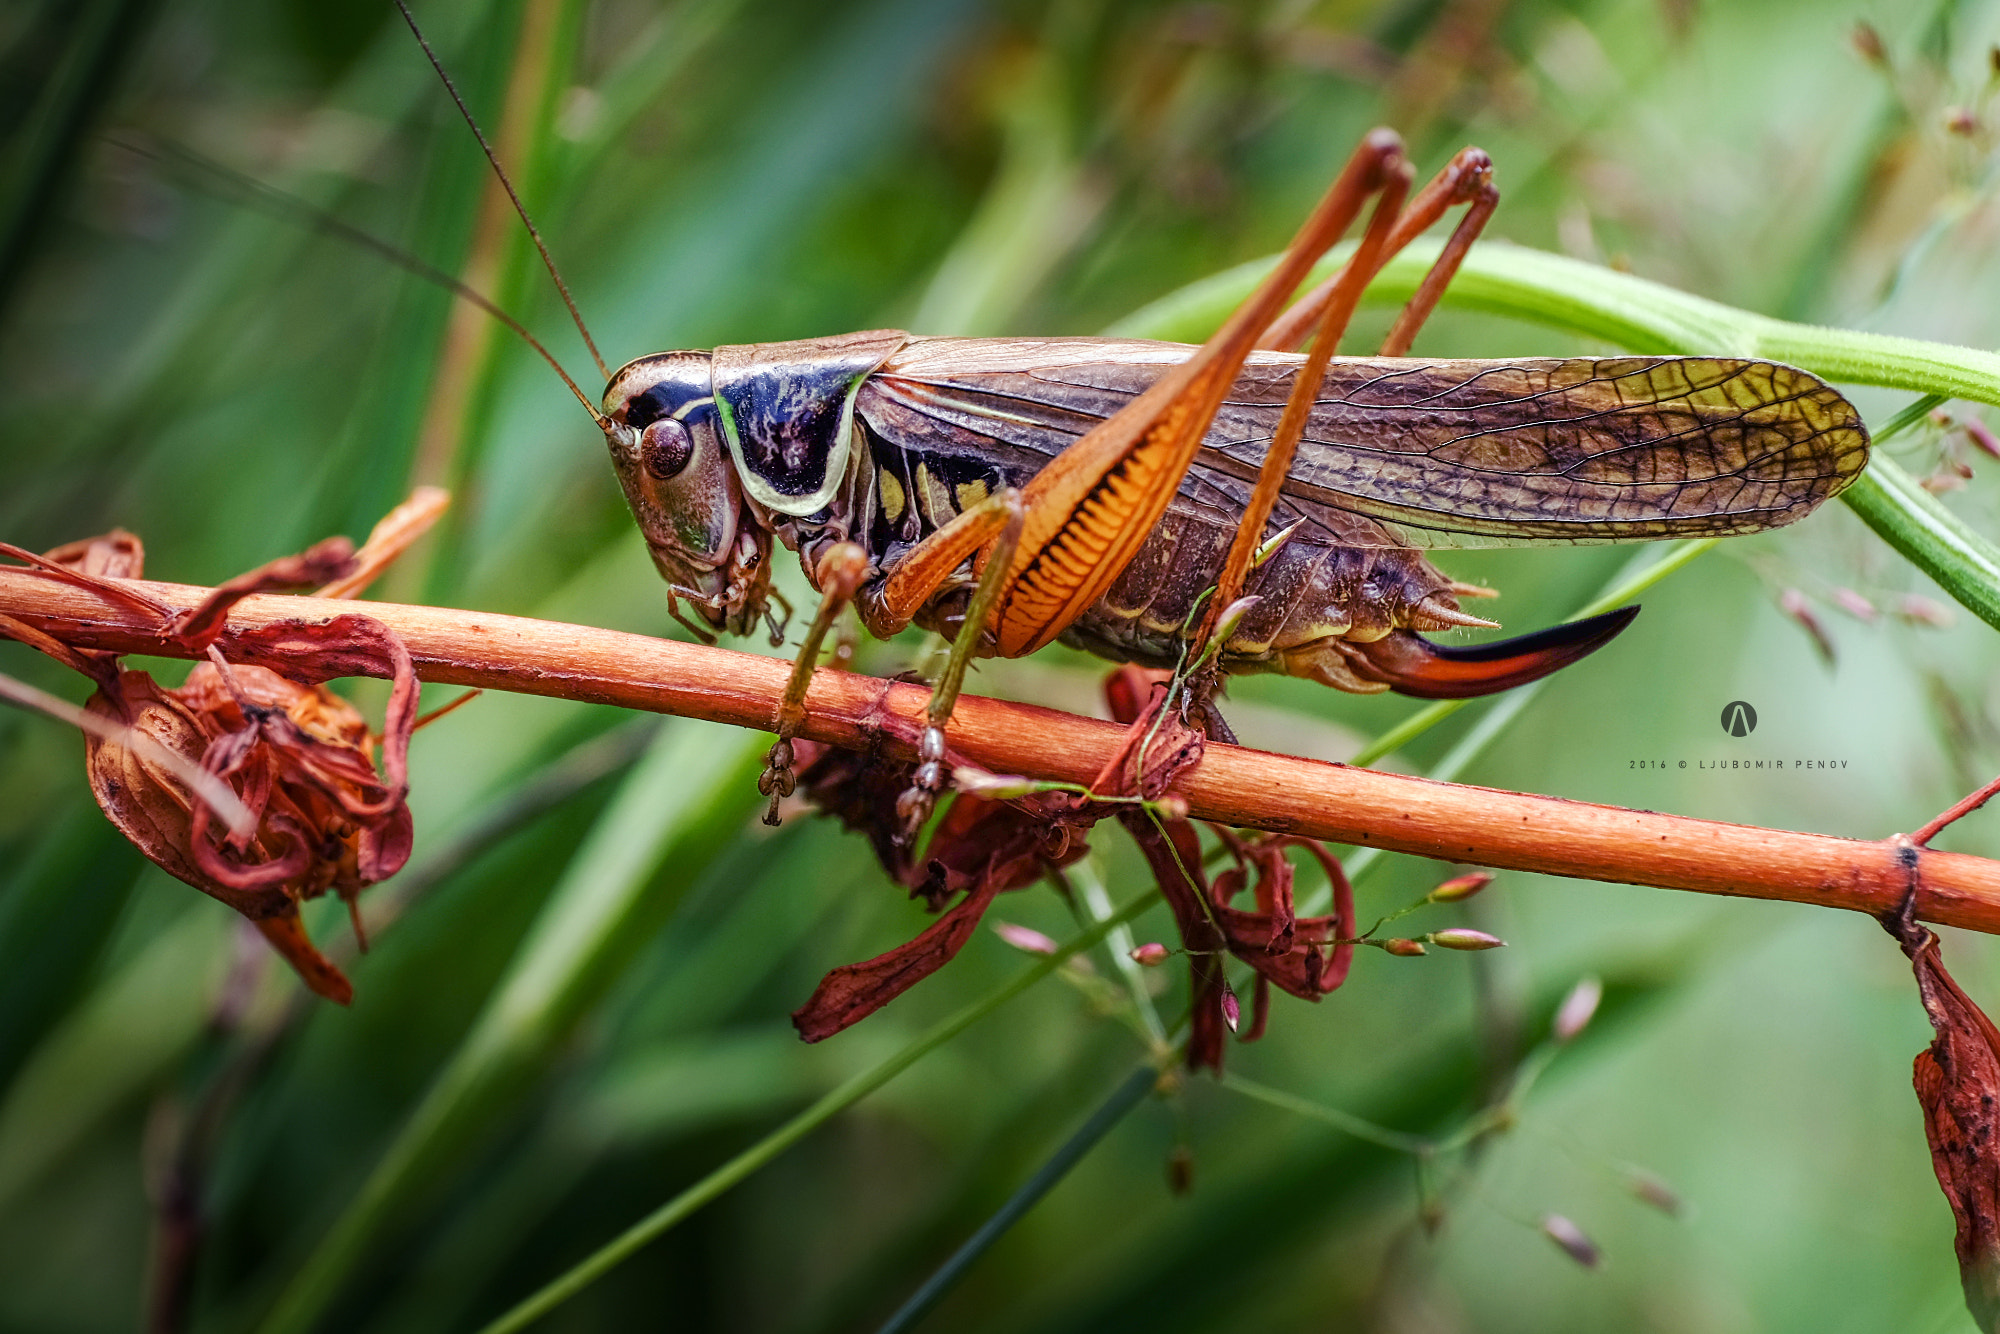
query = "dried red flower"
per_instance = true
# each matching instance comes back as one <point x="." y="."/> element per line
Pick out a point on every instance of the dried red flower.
<point x="298" y="757"/>
<point x="1957" y="1081"/>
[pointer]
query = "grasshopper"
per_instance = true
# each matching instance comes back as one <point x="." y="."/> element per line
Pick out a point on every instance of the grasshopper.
<point x="1240" y="506"/>
<point x="1122" y="495"/>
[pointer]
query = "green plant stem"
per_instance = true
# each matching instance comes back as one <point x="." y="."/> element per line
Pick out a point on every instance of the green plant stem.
<point x="946" y="1277"/>
<point x="1396" y="1141"/>
<point x="763" y="1151"/>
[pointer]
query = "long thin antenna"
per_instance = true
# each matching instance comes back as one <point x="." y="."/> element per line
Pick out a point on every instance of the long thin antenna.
<point x="547" y="260"/>
<point x="276" y="201"/>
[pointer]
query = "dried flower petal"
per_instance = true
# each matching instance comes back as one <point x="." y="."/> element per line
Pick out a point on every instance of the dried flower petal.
<point x="1957" y="1081"/>
<point x="854" y="991"/>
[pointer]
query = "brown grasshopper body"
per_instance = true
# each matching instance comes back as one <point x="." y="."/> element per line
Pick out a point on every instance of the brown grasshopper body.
<point x="882" y="440"/>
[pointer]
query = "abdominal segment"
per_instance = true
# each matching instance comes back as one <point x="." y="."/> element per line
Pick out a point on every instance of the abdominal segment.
<point x="1319" y="605"/>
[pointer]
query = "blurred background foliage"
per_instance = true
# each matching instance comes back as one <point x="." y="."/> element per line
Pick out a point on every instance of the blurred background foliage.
<point x="582" y="1006"/>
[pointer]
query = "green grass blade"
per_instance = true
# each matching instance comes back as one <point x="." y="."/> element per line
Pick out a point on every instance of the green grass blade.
<point x="1053" y="1169"/>
<point x="763" y="1151"/>
<point x="683" y="799"/>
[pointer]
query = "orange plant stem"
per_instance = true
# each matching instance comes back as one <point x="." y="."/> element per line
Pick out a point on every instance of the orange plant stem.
<point x="1231" y="785"/>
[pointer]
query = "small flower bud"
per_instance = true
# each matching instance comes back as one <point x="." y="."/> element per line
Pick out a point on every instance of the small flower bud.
<point x="993" y="787"/>
<point x="1272" y="545"/>
<point x="1651" y="1190"/>
<point x="1464" y="938"/>
<point x="1854" y="604"/>
<point x="1232" y="1010"/>
<point x="1024" y="938"/>
<point x="1151" y="954"/>
<point x="1461" y="887"/>
<point x="1576" y="1009"/>
<point x="1403" y="948"/>
<point x="1232" y="616"/>
<point x="1982" y="437"/>
<point x="1570" y="1237"/>
<point x="1796" y="605"/>
<point x="1171" y="807"/>
<point x="1868" y="43"/>
<point x="1920" y="610"/>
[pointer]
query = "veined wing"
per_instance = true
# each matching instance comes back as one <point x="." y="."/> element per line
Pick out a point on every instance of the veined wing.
<point x="1438" y="453"/>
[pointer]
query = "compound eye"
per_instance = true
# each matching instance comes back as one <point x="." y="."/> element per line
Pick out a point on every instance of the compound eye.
<point x="665" y="448"/>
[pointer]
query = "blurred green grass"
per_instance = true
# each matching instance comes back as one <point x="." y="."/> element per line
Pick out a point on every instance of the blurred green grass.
<point x="232" y="386"/>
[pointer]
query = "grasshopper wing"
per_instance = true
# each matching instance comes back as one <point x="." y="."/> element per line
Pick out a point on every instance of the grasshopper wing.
<point x="1447" y="453"/>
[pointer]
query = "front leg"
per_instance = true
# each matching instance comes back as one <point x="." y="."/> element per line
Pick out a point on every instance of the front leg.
<point x="837" y="576"/>
<point x="989" y="531"/>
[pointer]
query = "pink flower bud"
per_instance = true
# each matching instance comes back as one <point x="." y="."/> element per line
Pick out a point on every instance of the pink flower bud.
<point x="993" y="787"/>
<point x="1577" y="1008"/>
<point x="1464" y="938"/>
<point x="1232" y="1012"/>
<point x="1461" y="887"/>
<point x="1920" y="610"/>
<point x="1232" y="617"/>
<point x="1024" y="938"/>
<point x="1151" y="954"/>
<point x="1797" y="606"/>
<point x="1403" y="948"/>
<point x="1981" y="436"/>
<point x="1854" y="604"/>
<point x="1868" y="44"/>
<point x="1570" y="1237"/>
<point x="1649" y="1188"/>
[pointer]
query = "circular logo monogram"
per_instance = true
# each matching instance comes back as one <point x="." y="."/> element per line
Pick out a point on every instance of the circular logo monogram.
<point x="1738" y="718"/>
